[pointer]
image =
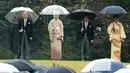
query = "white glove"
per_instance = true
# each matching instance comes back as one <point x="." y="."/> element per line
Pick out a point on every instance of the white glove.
<point x="82" y="29"/>
<point x="21" y="30"/>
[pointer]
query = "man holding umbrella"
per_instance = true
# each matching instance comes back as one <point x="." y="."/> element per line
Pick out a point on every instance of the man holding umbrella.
<point x="86" y="30"/>
<point x="24" y="17"/>
<point x="25" y="32"/>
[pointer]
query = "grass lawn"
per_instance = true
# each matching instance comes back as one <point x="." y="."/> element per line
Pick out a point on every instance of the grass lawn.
<point x="75" y="65"/>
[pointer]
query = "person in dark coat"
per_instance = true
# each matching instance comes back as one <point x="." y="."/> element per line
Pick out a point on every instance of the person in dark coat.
<point x="25" y="33"/>
<point x="86" y="37"/>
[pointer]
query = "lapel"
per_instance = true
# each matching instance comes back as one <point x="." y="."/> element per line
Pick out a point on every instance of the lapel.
<point x="83" y="25"/>
<point x="22" y="23"/>
<point x="88" y="25"/>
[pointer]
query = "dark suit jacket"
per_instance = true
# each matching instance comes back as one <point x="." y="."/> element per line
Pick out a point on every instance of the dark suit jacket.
<point x="89" y="31"/>
<point x="27" y="28"/>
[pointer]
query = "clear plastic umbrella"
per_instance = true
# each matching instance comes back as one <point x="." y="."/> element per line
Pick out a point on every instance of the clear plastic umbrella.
<point x="16" y="14"/>
<point x="103" y="66"/>
<point x="123" y="70"/>
<point x="128" y="66"/>
<point x="49" y="10"/>
<point x="7" y="68"/>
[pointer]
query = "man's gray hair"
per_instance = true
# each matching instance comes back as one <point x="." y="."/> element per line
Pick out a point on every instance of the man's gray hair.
<point x="24" y="12"/>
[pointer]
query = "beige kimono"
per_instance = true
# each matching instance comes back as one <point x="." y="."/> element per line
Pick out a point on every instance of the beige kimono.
<point x="116" y="37"/>
<point x="56" y="33"/>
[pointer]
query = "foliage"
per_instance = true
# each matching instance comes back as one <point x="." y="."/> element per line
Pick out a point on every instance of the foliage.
<point x="6" y="54"/>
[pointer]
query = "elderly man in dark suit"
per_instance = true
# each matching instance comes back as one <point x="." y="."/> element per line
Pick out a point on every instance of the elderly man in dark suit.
<point x="86" y="30"/>
<point x="25" y="32"/>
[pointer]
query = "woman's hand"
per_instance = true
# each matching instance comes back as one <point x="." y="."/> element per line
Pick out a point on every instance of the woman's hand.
<point x="122" y="40"/>
<point x="58" y="37"/>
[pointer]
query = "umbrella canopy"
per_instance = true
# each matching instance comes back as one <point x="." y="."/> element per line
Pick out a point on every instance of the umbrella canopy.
<point x="123" y="70"/>
<point x="7" y="68"/>
<point x="103" y="66"/>
<point x="21" y="65"/>
<point x="49" y="10"/>
<point x="57" y="69"/>
<point x="17" y="13"/>
<point x="39" y="67"/>
<point x="112" y="10"/>
<point x="128" y="66"/>
<point x="81" y="13"/>
<point x="22" y="72"/>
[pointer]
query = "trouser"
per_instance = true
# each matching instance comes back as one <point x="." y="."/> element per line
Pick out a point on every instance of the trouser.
<point x="85" y="47"/>
<point x="24" y="51"/>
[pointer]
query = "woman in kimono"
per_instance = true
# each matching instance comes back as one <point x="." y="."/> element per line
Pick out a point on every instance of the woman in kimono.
<point x="116" y="36"/>
<point x="56" y="33"/>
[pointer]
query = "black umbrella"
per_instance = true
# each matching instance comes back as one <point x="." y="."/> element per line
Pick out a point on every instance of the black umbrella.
<point x="57" y="69"/>
<point x="81" y="13"/>
<point x="39" y="67"/>
<point x="22" y="65"/>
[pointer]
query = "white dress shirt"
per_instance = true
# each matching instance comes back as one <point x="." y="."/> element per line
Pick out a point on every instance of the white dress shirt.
<point x="25" y="20"/>
<point x="86" y="25"/>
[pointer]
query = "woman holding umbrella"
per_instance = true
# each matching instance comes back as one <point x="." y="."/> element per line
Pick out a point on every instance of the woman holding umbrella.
<point x="116" y="36"/>
<point x="55" y="28"/>
<point x="56" y="33"/>
<point x="115" y="30"/>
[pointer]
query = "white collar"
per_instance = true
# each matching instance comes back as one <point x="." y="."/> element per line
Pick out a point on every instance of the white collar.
<point x="86" y="22"/>
<point x="25" y="19"/>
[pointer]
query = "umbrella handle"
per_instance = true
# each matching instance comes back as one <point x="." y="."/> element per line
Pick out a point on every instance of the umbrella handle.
<point x="54" y="64"/>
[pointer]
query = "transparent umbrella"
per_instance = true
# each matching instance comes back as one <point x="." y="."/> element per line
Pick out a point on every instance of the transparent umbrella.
<point x="103" y="66"/>
<point x="16" y="14"/>
<point x="7" y="68"/>
<point x="49" y="10"/>
<point x="123" y="70"/>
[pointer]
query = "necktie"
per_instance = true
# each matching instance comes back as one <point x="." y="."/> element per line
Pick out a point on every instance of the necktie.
<point x="25" y="20"/>
<point x="86" y="25"/>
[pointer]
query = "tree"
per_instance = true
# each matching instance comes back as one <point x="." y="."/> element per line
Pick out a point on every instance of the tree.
<point x="84" y="4"/>
<point x="71" y="47"/>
